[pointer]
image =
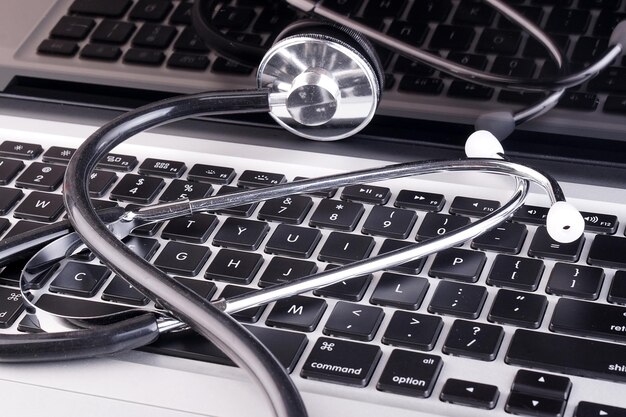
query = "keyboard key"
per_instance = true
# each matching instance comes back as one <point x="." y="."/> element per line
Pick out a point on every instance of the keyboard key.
<point x="589" y="319"/>
<point x="575" y="281"/>
<point x="340" y="361"/>
<point x="473" y="13"/>
<point x="354" y="321"/>
<point x="143" y="247"/>
<point x="234" y="266"/>
<point x="568" y="20"/>
<point x="412" y="267"/>
<point x="514" y="67"/>
<point x="600" y="223"/>
<point x="76" y="307"/>
<point x="515" y="272"/>
<point x="151" y="35"/>
<point x="334" y="214"/>
<point x="100" y="182"/>
<point x="366" y="194"/>
<point x="543" y="246"/>
<point x="57" y="47"/>
<point x="587" y="409"/>
<point x="297" y="313"/>
<point x="389" y="222"/>
<point x="456" y="38"/>
<point x="152" y="10"/>
<point x="507" y="237"/>
<point x="531" y="214"/>
<point x="211" y="173"/>
<point x="410" y="373"/>
<point x="615" y="104"/>
<point x="435" y="224"/>
<point x="299" y="242"/>
<point x="101" y="52"/>
<point x="235" y="18"/>
<point x="617" y="291"/>
<point x="413" y="330"/>
<point x="9" y="168"/>
<point x="610" y="80"/>
<point x="254" y="179"/>
<point x="458" y="299"/>
<point x="20" y="150"/>
<point x="345" y="248"/>
<point x="4" y="225"/>
<point x="503" y="42"/>
<point x="464" y="89"/>
<point x="241" y="234"/>
<point x="11" y="308"/>
<point x="82" y="280"/>
<point x="113" y="31"/>
<point x="117" y="162"/>
<point x="413" y="34"/>
<point x="226" y="66"/>
<point x="459" y="264"/>
<point x="420" y="85"/>
<point x="9" y="198"/>
<point x="351" y="289"/>
<point x="185" y="190"/>
<point x="520" y="403"/>
<point x="195" y="228"/>
<point x="72" y="27"/>
<point x="419" y="200"/>
<point x="542" y="385"/>
<point x="41" y="207"/>
<point x="244" y="210"/>
<point x="608" y="252"/>
<point x="121" y="291"/>
<point x="42" y="177"/>
<point x="473" y="206"/>
<point x="110" y="8"/>
<point x="137" y="189"/>
<point x="188" y="61"/>
<point x="518" y="308"/>
<point x="249" y="315"/>
<point x="401" y="291"/>
<point x="281" y="270"/>
<point x="473" y="394"/>
<point x="474" y="340"/>
<point x="182" y="14"/>
<point x="292" y="209"/>
<point x="144" y="57"/>
<point x="322" y="193"/>
<point x="583" y="357"/>
<point x="182" y="259"/>
<point x="433" y="10"/>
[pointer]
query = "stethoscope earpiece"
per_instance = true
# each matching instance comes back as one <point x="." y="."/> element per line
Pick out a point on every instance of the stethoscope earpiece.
<point x="564" y="223"/>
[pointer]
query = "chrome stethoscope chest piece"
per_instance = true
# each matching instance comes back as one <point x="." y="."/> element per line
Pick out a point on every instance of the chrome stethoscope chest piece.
<point x="320" y="88"/>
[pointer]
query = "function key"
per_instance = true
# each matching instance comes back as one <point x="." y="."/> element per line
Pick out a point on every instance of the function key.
<point x="410" y="373"/>
<point x="253" y="179"/>
<point x="323" y="193"/>
<point x="366" y="194"/>
<point x="531" y="214"/>
<point x="118" y="162"/>
<point x="473" y="394"/>
<point x="600" y="223"/>
<point x="420" y="200"/>
<point x="211" y="173"/>
<point x="20" y="150"/>
<point x="58" y="154"/>
<point x="109" y="8"/>
<point x="244" y="210"/>
<point x="587" y="409"/>
<point x="473" y="206"/>
<point x="162" y="168"/>
<point x="9" y="168"/>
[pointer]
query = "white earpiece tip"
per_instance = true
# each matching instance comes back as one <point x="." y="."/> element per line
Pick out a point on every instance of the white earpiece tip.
<point x="618" y="37"/>
<point x="565" y="224"/>
<point x="482" y="144"/>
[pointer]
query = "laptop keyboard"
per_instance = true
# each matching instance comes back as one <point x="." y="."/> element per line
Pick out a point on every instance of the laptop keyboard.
<point x="512" y="296"/>
<point x="157" y="34"/>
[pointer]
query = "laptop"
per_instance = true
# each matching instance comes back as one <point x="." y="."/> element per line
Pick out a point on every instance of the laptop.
<point x="509" y="323"/>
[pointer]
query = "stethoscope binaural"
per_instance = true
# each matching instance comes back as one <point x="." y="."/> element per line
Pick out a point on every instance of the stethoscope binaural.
<point x="320" y="84"/>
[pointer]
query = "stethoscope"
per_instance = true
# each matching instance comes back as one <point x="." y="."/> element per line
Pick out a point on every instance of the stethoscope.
<point x="319" y="82"/>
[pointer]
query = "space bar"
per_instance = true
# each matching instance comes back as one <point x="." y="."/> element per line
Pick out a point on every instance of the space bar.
<point x="568" y="355"/>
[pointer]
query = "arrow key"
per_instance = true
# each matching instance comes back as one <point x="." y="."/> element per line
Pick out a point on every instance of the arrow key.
<point x="587" y="409"/>
<point x="542" y="385"/>
<point x="530" y="405"/>
<point x="469" y="393"/>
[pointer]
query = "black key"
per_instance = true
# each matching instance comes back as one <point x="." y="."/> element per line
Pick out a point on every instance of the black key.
<point x="79" y="279"/>
<point x="244" y="210"/>
<point x="435" y="224"/>
<point x="322" y="193"/>
<point x="459" y="264"/>
<point x="188" y="61"/>
<point x="72" y="27"/>
<point x="29" y="324"/>
<point x="412" y="67"/>
<point x="20" y="150"/>
<point x="514" y="272"/>
<point x="471" y="60"/>
<point x="195" y="228"/>
<point x="543" y="246"/>
<point x="22" y="226"/>
<point x="436" y="10"/>
<point x="464" y="89"/>
<point x="234" y="266"/>
<point x="113" y="31"/>
<point x="583" y="357"/>
<point x="413" y="34"/>
<point x="144" y="57"/>
<point x="421" y="85"/>
<point x="419" y="200"/>
<point x="76" y="307"/>
<point x="575" y="281"/>
<point x="410" y="373"/>
<point x="39" y="206"/>
<point x="600" y="223"/>
<point x="402" y="291"/>
<point x="384" y="8"/>
<point x="473" y="13"/>
<point x="294" y="241"/>
<point x="582" y="101"/>
<point x="142" y="246"/>
<point x="507" y="237"/>
<point x="121" y="291"/>
<point x="411" y="267"/>
<point x="542" y="385"/>
<point x="340" y="361"/>
<point x="473" y="206"/>
<point x="292" y="209"/>
<point x="190" y="41"/>
<point x="589" y="49"/>
<point x="297" y="313"/>
<point x="389" y="222"/>
<point x="185" y="190"/>
<point x="606" y="22"/>
<point x="111" y="8"/>
<point x="201" y="287"/>
<point x="617" y="291"/>
<point x="281" y="270"/>
<point x="9" y="168"/>
<point x="615" y="104"/>
<point x="514" y="67"/>
<point x="589" y="319"/>
<point x="608" y="251"/>
<point x="43" y="177"/>
<point x="226" y="66"/>
<point x="152" y="10"/>
<point x="154" y="36"/>
<point x="182" y="259"/>
<point x="518" y="309"/>
<point x="519" y="403"/>
<point x="254" y="179"/>
<point x="568" y="20"/>
<point x="456" y="38"/>
<point x="272" y="18"/>
<point x="100" y="182"/>
<point x="101" y="52"/>
<point x="345" y="248"/>
<point x="354" y="321"/>
<point x="473" y="394"/>
<point x="11" y="307"/>
<point x="352" y="289"/>
<point x="249" y="315"/>
<point x="474" y="340"/>
<point x="241" y="234"/>
<point x="531" y="214"/>
<point x="235" y="18"/>
<point x="9" y="198"/>
<point x="211" y="173"/>
<point x="534" y="14"/>
<point x="57" y="47"/>
<point x="458" y="299"/>
<point x="534" y="49"/>
<point x="182" y="14"/>
<point x="334" y="214"/>
<point x="611" y="80"/>
<point x="12" y="273"/>
<point x="413" y="330"/>
<point x="117" y="162"/>
<point x="366" y="194"/>
<point x="587" y="409"/>
<point x="502" y="42"/>
<point x="137" y="189"/>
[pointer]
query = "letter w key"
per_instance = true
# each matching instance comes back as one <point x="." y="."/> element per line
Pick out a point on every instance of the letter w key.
<point x="41" y="207"/>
